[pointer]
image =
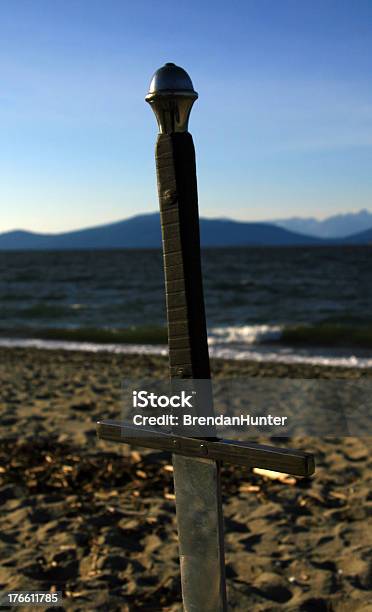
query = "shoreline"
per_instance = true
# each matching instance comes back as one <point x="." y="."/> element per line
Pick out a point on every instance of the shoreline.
<point x="156" y="364"/>
<point x="263" y="353"/>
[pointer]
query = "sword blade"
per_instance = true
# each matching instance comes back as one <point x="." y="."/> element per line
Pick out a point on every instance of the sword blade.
<point x="200" y="533"/>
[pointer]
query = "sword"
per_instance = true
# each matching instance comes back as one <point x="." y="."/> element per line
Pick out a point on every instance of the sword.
<point x="196" y="480"/>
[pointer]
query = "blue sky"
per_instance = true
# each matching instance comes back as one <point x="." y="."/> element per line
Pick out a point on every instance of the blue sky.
<point x="283" y="124"/>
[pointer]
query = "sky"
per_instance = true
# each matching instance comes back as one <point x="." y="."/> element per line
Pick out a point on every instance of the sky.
<point x="282" y="126"/>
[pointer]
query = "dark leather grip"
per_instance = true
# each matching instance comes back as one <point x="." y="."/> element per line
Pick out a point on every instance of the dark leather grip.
<point x="187" y="334"/>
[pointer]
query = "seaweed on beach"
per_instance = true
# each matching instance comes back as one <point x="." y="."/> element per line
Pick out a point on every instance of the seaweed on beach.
<point x="91" y="517"/>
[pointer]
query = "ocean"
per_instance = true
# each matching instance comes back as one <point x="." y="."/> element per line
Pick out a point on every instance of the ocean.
<point x="280" y="304"/>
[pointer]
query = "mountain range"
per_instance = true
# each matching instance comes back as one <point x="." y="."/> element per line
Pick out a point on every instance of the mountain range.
<point x="336" y="226"/>
<point x="143" y="231"/>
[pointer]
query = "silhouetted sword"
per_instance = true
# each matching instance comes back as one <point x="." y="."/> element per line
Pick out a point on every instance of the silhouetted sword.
<point x="196" y="480"/>
<point x="196" y="461"/>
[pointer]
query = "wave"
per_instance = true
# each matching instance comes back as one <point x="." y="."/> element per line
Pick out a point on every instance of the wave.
<point x="263" y="343"/>
<point x="245" y="334"/>
<point x="327" y="333"/>
<point x="249" y="353"/>
<point x="323" y="334"/>
<point x="96" y="335"/>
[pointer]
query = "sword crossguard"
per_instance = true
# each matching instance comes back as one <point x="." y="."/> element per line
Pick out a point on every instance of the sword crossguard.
<point x="248" y="454"/>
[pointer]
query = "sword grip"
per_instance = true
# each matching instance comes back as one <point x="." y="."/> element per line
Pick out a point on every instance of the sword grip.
<point x="178" y="198"/>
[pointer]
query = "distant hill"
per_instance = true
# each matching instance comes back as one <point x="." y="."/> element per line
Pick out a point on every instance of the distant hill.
<point x="140" y="231"/>
<point x="360" y="238"/>
<point x="143" y="231"/>
<point x="337" y="226"/>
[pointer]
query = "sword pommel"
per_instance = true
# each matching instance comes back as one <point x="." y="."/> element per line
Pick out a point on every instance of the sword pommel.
<point x="171" y="97"/>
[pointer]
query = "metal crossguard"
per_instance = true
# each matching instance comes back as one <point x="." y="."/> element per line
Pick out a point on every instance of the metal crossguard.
<point x="250" y="455"/>
<point x="196" y="461"/>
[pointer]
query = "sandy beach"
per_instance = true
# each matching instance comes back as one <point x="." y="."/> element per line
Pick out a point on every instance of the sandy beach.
<point x="97" y="521"/>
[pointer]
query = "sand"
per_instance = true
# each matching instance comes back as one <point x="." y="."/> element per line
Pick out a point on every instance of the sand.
<point x="96" y="520"/>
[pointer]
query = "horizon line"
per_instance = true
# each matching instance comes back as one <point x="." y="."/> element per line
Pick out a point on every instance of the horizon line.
<point x="222" y="218"/>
